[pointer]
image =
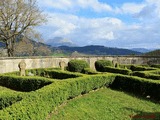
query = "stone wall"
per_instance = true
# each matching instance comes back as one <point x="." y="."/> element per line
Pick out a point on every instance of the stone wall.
<point x="11" y="64"/>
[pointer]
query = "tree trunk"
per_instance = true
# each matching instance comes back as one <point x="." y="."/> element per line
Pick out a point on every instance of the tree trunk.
<point x="10" y="47"/>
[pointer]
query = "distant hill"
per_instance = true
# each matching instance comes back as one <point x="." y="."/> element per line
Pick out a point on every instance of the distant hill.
<point x="153" y="53"/>
<point x="59" y="41"/>
<point x="142" y="50"/>
<point x="99" y="50"/>
<point x="27" y="47"/>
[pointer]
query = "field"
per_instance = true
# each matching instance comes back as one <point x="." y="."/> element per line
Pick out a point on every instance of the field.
<point x="116" y="93"/>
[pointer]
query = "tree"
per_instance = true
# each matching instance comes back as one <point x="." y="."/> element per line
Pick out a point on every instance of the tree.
<point x="16" y="18"/>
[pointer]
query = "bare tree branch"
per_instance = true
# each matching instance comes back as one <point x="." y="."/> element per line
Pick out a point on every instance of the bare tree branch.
<point x="16" y="16"/>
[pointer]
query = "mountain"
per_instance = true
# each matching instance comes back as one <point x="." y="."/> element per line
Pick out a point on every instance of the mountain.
<point x="59" y="41"/>
<point x="28" y="47"/>
<point x="153" y="53"/>
<point x="99" y="50"/>
<point x="142" y="50"/>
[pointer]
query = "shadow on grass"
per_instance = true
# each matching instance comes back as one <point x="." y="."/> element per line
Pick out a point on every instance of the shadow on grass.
<point x="144" y="115"/>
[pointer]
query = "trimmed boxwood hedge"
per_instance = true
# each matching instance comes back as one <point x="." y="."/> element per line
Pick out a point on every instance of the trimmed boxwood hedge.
<point x="156" y="66"/>
<point x="38" y="104"/>
<point x="100" y="64"/>
<point x="35" y="72"/>
<point x="89" y="71"/>
<point x="137" y="85"/>
<point x="25" y="84"/>
<point x="77" y="65"/>
<point x="117" y="70"/>
<point x="58" y="74"/>
<point x="128" y="66"/>
<point x="9" y="99"/>
<point x="146" y="75"/>
<point x="141" y="68"/>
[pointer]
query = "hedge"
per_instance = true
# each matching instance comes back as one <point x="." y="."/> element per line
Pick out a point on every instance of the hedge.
<point x="25" y="84"/>
<point x="77" y="65"/>
<point x="156" y="66"/>
<point x="9" y="99"/>
<point x="100" y="64"/>
<point x="125" y="66"/>
<point x="147" y="75"/>
<point x="141" y="68"/>
<point x="58" y="74"/>
<point x="156" y="72"/>
<point x="117" y="70"/>
<point x="35" y="72"/>
<point x="89" y="71"/>
<point x="137" y="85"/>
<point x="38" y="104"/>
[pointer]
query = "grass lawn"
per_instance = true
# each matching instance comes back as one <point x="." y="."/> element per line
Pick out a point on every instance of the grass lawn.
<point x="107" y="104"/>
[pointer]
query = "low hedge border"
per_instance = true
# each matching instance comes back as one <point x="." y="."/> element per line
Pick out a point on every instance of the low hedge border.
<point x="156" y="66"/>
<point x="35" y="72"/>
<point x="156" y="72"/>
<point x="141" y="68"/>
<point x="123" y="66"/>
<point x="39" y="104"/>
<point x="137" y="85"/>
<point x="89" y="71"/>
<point x="59" y="74"/>
<point x="24" y="84"/>
<point x="147" y="75"/>
<point x="9" y="99"/>
<point x="117" y="70"/>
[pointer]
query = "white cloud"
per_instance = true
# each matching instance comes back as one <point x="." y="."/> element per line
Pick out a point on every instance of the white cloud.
<point x="94" y="4"/>
<point x="108" y="31"/>
<point x="132" y="8"/>
<point x="57" y="4"/>
<point x="90" y="28"/>
<point x="66" y="5"/>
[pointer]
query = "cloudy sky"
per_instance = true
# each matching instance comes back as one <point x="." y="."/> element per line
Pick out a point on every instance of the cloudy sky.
<point x="112" y="23"/>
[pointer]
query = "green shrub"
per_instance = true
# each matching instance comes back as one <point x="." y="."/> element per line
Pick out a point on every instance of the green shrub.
<point x="35" y="72"/>
<point x="117" y="70"/>
<point x="156" y="72"/>
<point x="128" y="66"/>
<point x="136" y="85"/>
<point x="146" y="75"/>
<point x="23" y="83"/>
<point x="8" y="99"/>
<point x="58" y="74"/>
<point x="88" y="71"/>
<point x="39" y="104"/>
<point x="100" y="64"/>
<point x="141" y="68"/>
<point x="77" y="65"/>
<point x="156" y="66"/>
<point x="39" y="71"/>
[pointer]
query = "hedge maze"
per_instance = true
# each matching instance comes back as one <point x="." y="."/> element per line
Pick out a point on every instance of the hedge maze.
<point x="34" y="97"/>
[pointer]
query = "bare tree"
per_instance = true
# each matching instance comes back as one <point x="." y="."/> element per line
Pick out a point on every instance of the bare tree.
<point x="16" y="17"/>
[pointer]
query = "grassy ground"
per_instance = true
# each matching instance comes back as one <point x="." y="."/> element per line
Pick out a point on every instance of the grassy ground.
<point x="107" y="104"/>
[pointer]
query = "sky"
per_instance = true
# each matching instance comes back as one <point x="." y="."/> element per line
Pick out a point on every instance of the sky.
<point x="112" y="23"/>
